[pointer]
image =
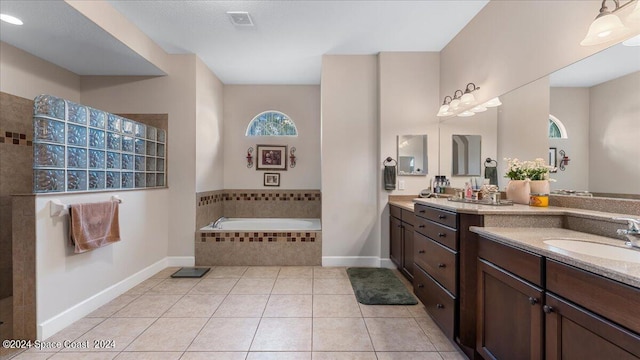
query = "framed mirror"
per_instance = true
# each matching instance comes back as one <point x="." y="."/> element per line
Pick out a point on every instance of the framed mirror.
<point x="466" y="153"/>
<point x="412" y="155"/>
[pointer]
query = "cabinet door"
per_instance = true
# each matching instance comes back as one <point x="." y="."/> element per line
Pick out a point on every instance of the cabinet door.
<point x="407" y="250"/>
<point x="395" y="237"/>
<point x="509" y="315"/>
<point x="574" y="333"/>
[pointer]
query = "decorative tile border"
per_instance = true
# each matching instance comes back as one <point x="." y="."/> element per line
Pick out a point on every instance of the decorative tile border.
<point x="213" y="197"/>
<point x="269" y="237"/>
<point x="10" y="137"/>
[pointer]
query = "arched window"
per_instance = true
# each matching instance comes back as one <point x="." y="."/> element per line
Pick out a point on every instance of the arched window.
<point x="271" y="123"/>
<point x="556" y="128"/>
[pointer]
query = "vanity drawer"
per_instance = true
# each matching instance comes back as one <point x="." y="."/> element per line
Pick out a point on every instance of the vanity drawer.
<point x="437" y="260"/>
<point x="519" y="262"/>
<point x="442" y="234"/>
<point x="613" y="300"/>
<point x="408" y="217"/>
<point x="395" y="211"/>
<point x="437" y="301"/>
<point x="440" y="216"/>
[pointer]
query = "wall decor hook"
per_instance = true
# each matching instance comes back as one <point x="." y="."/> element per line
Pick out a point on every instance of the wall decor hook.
<point x="249" y="157"/>
<point x="292" y="157"/>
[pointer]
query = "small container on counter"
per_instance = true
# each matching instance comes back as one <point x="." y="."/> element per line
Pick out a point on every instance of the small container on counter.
<point x="539" y="200"/>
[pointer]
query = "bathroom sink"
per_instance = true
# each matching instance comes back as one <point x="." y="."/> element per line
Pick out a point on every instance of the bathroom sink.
<point x="596" y="249"/>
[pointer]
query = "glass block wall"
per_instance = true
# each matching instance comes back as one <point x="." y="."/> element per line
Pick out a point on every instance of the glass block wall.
<point x="78" y="148"/>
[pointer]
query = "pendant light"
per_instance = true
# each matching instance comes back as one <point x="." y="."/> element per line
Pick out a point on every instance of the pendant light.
<point x="607" y="26"/>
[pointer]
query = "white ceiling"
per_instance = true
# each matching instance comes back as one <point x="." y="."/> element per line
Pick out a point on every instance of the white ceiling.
<point x="611" y="63"/>
<point x="284" y="47"/>
<point x="56" y="32"/>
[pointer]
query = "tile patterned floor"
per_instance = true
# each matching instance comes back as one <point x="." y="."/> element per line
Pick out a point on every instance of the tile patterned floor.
<point x="253" y="313"/>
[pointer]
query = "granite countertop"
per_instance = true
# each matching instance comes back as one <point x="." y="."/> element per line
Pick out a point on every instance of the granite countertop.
<point x="517" y="209"/>
<point x="405" y="204"/>
<point x="533" y="240"/>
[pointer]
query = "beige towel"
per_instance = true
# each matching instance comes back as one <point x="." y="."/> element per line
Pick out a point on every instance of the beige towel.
<point x="93" y="225"/>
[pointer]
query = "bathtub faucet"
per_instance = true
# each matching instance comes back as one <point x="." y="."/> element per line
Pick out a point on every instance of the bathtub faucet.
<point x="216" y="225"/>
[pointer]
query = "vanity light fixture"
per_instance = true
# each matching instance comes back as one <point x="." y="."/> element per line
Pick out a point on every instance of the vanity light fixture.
<point x="444" y="109"/>
<point x="10" y="19"/>
<point x="468" y="98"/>
<point x="462" y="103"/>
<point x="493" y="102"/>
<point x="635" y="14"/>
<point x="607" y="26"/>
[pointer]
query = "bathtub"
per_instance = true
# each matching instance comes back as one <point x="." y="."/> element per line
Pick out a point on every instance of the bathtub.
<point x="264" y="224"/>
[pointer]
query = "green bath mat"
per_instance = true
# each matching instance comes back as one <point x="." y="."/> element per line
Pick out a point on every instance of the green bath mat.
<point x="376" y="286"/>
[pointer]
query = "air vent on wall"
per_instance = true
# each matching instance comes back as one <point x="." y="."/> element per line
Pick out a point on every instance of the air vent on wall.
<point x="240" y="18"/>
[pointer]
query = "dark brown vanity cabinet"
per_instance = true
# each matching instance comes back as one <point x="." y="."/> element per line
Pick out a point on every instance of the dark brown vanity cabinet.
<point x="607" y="330"/>
<point x="401" y="239"/>
<point x="436" y="259"/>
<point x="510" y="303"/>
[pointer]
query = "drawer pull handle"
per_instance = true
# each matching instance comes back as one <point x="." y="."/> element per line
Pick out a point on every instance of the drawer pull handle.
<point x="442" y="235"/>
<point x="421" y="211"/>
<point x="442" y="216"/>
<point x="420" y="251"/>
<point x="440" y="306"/>
<point x="533" y="301"/>
<point x="421" y="226"/>
<point x="420" y="286"/>
<point x="441" y="265"/>
<point x="547" y="309"/>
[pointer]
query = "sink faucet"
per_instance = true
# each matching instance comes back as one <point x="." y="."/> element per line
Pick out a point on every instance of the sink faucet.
<point x="632" y="232"/>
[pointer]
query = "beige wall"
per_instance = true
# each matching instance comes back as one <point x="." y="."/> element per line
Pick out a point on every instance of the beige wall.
<point x="28" y="76"/>
<point x="511" y="43"/>
<point x="523" y="128"/>
<point x="175" y="95"/>
<point x="242" y="103"/>
<point x="571" y="107"/>
<point x="350" y="161"/>
<point x="614" y="165"/>
<point x="209" y="130"/>
<point x="408" y="88"/>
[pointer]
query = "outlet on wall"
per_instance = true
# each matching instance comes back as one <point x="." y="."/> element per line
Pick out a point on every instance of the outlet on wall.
<point x="401" y="185"/>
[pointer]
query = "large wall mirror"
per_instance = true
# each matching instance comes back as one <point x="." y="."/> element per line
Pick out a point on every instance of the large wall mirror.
<point x="465" y="154"/>
<point x="596" y="100"/>
<point x="412" y="155"/>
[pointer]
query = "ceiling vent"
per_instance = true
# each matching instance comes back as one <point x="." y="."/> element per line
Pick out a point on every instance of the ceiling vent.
<point x="240" y="18"/>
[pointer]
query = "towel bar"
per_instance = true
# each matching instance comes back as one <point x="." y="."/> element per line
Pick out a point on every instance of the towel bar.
<point x="57" y="208"/>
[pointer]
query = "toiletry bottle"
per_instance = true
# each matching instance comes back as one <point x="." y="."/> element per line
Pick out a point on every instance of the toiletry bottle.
<point x="468" y="191"/>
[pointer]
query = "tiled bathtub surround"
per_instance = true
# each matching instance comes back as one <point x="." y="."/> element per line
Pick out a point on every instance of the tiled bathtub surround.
<point x="257" y="204"/>
<point x="78" y="148"/>
<point x="258" y="248"/>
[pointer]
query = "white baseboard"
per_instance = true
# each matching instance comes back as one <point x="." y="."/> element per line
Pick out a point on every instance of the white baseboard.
<point x="53" y="325"/>
<point x="362" y="261"/>
<point x="387" y="263"/>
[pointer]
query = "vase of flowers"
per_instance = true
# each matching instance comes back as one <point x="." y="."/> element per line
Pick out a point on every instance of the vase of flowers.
<point x="526" y="178"/>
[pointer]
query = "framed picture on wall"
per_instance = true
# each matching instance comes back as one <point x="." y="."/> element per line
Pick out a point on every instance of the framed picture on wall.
<point x="271" y="157"/>
<point x="271" y="179"/>
<point x="552" y="159"/>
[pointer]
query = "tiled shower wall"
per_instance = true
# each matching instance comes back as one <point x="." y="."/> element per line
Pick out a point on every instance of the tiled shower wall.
<point x="211" y="205"/>
<point x="16" y="157"/>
